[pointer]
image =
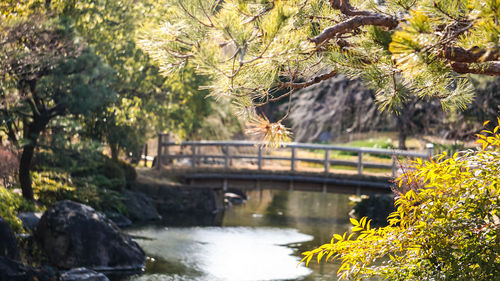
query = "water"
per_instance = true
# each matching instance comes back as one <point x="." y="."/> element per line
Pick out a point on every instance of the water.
<point x="259" y="240"/>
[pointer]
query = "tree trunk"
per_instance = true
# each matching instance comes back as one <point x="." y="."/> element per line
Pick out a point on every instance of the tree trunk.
<point x="115" y="151"/>
<point x="24" y="171"/>
<point x="403" y="126"/>
<point x="402" y="139"/>
<point x="32" y="133"/>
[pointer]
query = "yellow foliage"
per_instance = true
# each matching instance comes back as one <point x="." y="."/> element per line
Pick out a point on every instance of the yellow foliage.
<point x="446" y="229"/>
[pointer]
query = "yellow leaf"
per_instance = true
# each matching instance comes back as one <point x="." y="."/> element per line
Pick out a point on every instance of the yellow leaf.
<point x="308" y="260"/>
<point x="357" y="228"/>
<point x="354" y="221"/>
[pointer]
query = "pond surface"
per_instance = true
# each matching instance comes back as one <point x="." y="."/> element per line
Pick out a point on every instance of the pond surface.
<point x="259" y="240"/>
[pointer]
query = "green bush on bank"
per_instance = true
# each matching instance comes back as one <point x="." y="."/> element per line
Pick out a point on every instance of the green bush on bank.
<point x="51" y="187"/>
<point x="10" y="204"/>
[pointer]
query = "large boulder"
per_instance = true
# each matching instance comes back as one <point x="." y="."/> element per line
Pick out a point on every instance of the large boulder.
<point x="75" y="235"/>
<point x="140" y="207"/>
<point x="8" y="242"/>
<point x="11" y="270"/>
<point x="83" y="274"/>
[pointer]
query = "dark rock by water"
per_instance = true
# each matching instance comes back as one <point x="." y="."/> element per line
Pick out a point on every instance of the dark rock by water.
<point x="376" y="207"/>
<point x="140" y="207"/>
<point x="83" y="274"/>
<point x="29" y="219"/>
<point x="75" y="235"/>
<point x="11" y="270"/>
<point x="120" y="220"/>
<point x="8" y="243"/>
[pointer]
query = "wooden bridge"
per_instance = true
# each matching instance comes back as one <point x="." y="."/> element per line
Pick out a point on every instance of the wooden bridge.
<point x="292" y="166"/>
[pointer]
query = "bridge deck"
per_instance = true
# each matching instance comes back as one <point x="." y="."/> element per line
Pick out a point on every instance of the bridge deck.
<point x="281" y="180"/>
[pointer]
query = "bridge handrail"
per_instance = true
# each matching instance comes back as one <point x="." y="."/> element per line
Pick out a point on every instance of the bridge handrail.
<point x="293" y="158"/>
<point x="304" y="146"/>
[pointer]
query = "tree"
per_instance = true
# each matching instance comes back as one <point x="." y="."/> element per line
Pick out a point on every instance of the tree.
<point x="251" y="49"/>
<point x="45" y="72"/>
<point x="446" y="227"/>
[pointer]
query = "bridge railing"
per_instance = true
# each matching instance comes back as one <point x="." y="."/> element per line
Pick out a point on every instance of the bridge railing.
<point x="259" y="153"/>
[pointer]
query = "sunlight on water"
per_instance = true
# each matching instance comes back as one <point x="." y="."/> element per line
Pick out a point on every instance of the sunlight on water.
<point x="230" y="253"/>
<point x="260" y="240"/>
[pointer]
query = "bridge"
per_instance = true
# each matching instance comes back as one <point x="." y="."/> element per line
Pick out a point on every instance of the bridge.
<point x="290" y="166"/>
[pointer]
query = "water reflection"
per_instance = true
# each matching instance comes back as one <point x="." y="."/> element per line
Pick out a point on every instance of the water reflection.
<point x="260" y="240"/>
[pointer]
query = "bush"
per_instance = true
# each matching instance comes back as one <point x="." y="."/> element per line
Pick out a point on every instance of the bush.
<point x="9" y="165"/>
<point x="114" y="173"/>
<point x="446" y="226"/>
<point x="128" y="170"/>
<point x="10" y="204"/>
<point x="51" y="187"/>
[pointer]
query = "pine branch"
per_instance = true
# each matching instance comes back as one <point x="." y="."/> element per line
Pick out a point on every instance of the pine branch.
<point x="491" y="68"/>
<point x="353" y="23"/>
<point x="345" y="7"/>
<point x="312" y="81"/>
<point x="359" y="18"/>
<point x="458" y="54"/>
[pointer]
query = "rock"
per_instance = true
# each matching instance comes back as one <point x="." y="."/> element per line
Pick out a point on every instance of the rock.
<point x="325" y="111"/>
<point x="11" y="270"/>
<point x="83" y="274"/>
<point x="120" y="220"/>
<point x="231" y="198"/>
<point x="376" y="207"/>
<point x="140" y="207"/>
<point x="75" y="235"/>
<point x="8" y="242"/>
<point x="30" y="220"/>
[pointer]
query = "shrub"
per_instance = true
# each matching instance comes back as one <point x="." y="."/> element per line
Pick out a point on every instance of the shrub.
<point x="446" y="227"/>
<point x="114" y="173"/>
<point x="10" y="204"/>
<point x="128" y="170"/>
<point x="9" y="165"/>
<point x="51" y="187"/>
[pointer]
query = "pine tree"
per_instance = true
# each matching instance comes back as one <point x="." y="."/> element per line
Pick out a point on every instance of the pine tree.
<point x="253" y="50"/>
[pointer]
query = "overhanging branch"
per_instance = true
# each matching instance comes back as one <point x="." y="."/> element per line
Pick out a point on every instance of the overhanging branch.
<point x="345" y="7"/>
<point x="458" y="54"/>
<point x="312" y="81"/>
<point x="353" y="23"/>
<point x="491" y="68"/>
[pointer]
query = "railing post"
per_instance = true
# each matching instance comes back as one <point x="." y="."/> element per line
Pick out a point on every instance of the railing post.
<point x="145" y="155"/>
<point x="327" y="161"/>
<point x="259" y="158"/>
<point x="394" y="165"/>
<point x="430" y="149"/>
<point x="292" y="160"/>
<point x="167" y="152"/>
<point x="193" y="155"/>
<point x="360" y="163"/>
<point x="226" y="156"/>
<point x="158" y="154"/>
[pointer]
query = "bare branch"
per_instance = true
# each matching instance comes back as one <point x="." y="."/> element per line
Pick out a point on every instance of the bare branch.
<point x="345" y="7"/>
<point x="353" y="23"/>
<point x="458" y="54"/>
<point x="314" y="80"/>
<point x="491" y="68"/>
